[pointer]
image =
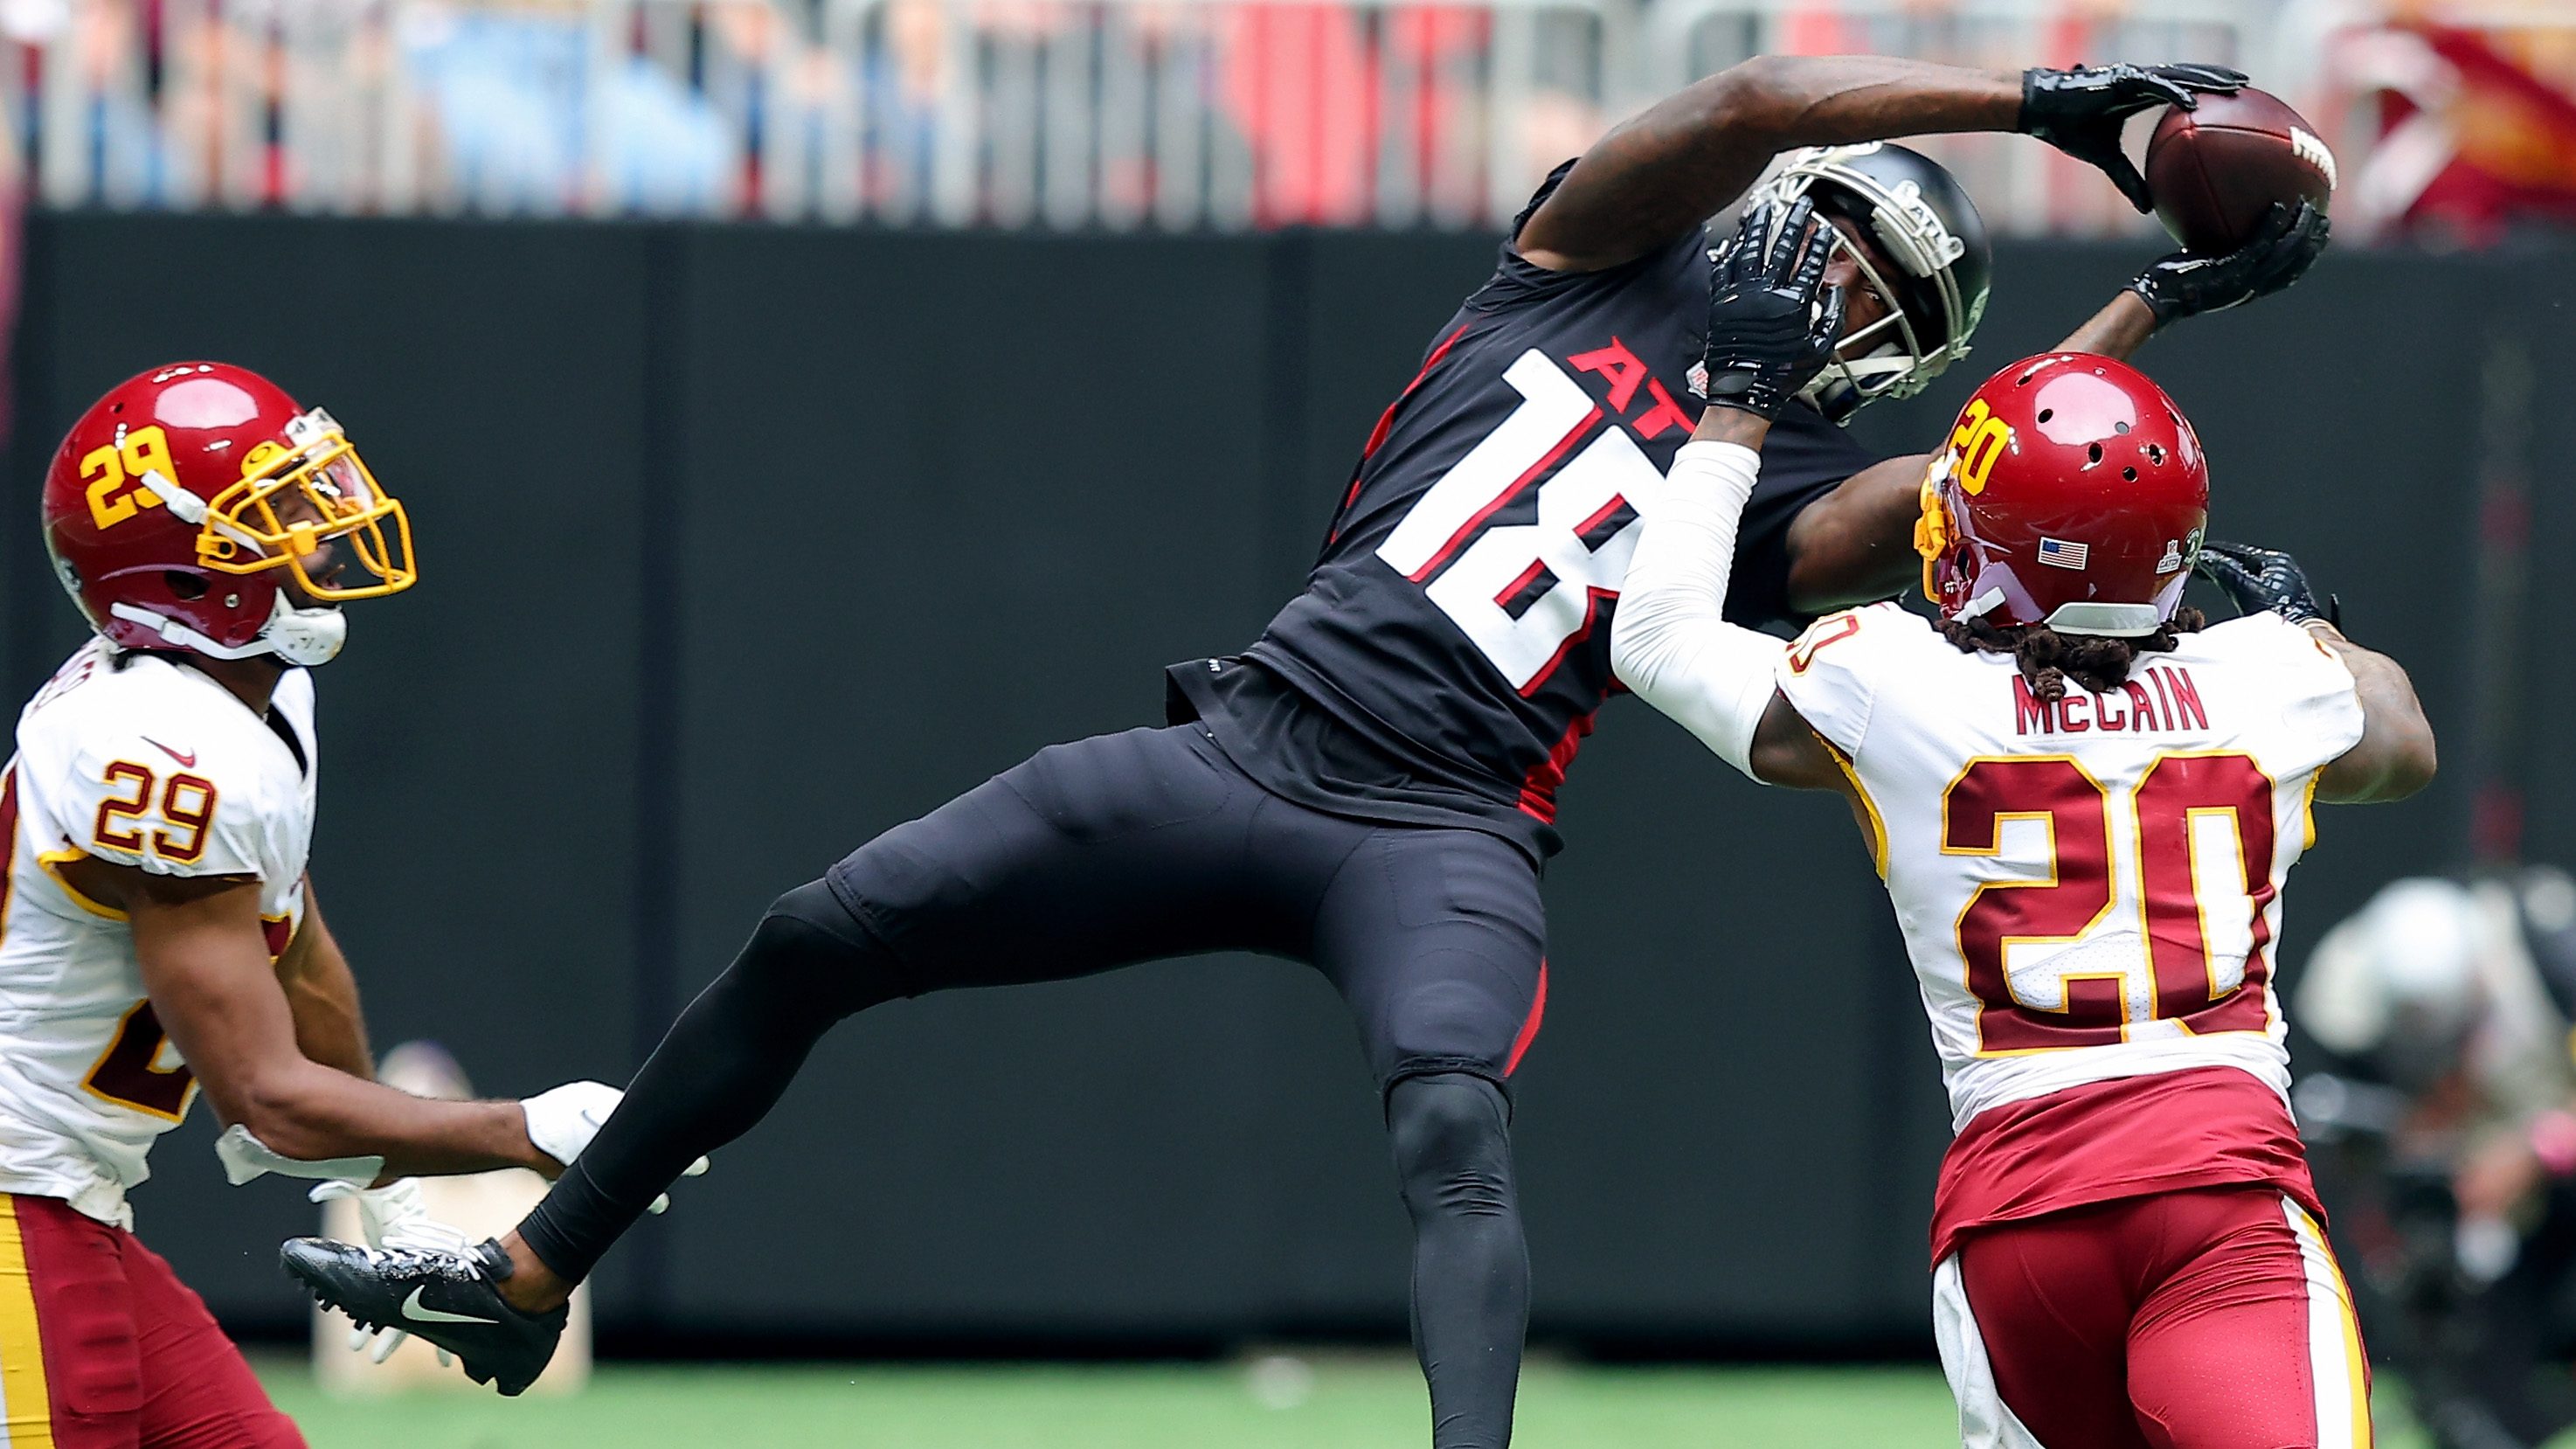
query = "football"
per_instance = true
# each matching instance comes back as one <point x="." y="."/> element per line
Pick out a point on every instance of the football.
<point x="2216" y="171"/>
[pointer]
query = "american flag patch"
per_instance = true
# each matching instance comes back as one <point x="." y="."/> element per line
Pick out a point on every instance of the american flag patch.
<point x="2062" y="554"/>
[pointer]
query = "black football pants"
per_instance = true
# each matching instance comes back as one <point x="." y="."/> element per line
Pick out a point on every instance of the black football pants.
<point x="1127" y="848"/>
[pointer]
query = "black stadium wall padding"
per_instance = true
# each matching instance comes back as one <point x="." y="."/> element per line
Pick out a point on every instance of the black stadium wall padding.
<point x="740" y="544"/>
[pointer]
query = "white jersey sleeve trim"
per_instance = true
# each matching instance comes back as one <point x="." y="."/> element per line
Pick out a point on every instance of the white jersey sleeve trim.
<point x="2320" y="703"/>
<point x="1829" y="673"/>
<point x="126" y="804"/>
<point x="2331" y="709"/>
<point x="138" y="767"/>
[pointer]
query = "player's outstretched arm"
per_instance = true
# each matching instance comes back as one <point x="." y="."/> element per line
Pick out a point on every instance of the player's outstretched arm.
<point x="2395" y="756"/>
<point x="1768" y="333"/>
<point x="1686" y="157"/>
<point x="1855" y="545"/>
<point x="1689" y="155"/>
<point x="206" y="969"/>
<point x="2186" y="284"/>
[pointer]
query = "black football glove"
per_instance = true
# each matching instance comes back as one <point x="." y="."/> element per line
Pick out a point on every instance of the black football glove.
<point x="1767" y="335"/>
<point x="2187" y="284"/>
<point x="2079" y="111"/>
<point x="2266" y="580"/>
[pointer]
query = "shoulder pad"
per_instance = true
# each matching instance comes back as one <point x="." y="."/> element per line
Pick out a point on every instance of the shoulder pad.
<point x="1831" y="673"/>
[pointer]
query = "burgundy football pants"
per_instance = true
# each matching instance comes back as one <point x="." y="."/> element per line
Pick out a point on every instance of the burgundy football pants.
<point x="102" y="1347"/>
<point x="2209" y="1319"/>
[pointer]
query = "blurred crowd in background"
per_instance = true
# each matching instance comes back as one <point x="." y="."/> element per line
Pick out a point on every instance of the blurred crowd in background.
<point x="2457" y="119"/>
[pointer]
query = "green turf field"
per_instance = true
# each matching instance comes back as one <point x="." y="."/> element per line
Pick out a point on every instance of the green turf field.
<point x="1373" y="1403"/>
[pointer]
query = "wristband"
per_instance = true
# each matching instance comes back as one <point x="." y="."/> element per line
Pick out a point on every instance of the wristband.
<point x="246" y="1158"/>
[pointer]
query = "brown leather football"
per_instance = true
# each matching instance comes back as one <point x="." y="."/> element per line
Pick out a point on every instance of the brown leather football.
<point x="2217" y="170"/>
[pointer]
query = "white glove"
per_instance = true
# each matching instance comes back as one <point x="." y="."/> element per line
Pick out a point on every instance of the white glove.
<point x="393" y="1216"/>
<point x="562" y="1122"/>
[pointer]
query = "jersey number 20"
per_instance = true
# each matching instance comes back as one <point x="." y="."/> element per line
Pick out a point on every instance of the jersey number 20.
<point x="2082" y="890"/>
<point x="1524" y="593"/>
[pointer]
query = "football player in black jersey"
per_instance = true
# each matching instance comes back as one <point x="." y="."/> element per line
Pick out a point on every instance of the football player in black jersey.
<point x="1369" y="788"/>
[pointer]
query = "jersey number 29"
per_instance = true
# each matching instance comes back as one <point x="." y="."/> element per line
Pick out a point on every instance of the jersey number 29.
<point x="129" y="1072"/>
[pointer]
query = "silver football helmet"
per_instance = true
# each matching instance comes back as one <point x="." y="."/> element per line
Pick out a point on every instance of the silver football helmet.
<point x="1924" y="222"/>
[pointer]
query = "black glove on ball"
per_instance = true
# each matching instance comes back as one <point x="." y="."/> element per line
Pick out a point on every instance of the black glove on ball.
<point x="2265" y="580"/>
<point x="1767" y="337"/>
<point x="2186" y="285"/>
<point x="2079" y="111"/>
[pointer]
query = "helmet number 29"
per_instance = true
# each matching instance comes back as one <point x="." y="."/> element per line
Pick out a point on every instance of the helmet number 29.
<point x="114" y="473"/>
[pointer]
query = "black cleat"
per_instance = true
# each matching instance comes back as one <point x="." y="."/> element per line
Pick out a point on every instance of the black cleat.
<point x="451" y="1299"/>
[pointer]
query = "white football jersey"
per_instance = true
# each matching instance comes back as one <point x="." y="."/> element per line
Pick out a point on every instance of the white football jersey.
<point x="2088" y="890"/>
<point x="138" y="760"/>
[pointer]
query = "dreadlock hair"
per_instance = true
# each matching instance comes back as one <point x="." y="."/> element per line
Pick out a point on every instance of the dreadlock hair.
<point x="2096" y="663"/>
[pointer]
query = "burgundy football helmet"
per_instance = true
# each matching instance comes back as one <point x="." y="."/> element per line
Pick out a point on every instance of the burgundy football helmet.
<point x="197" y="507"/>
<point x="2072" y="493"/>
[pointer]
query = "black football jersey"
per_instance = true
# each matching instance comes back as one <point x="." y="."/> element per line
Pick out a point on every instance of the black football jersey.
<point x="1458" y="620"/>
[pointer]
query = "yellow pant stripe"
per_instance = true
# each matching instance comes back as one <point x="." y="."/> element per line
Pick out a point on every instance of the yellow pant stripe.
<point x="26" y="1403"/>
<point x="2355" y="1361"/>
<point x="2325" y="1275"/>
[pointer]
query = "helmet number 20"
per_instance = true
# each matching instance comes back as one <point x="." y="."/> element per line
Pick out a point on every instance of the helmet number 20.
<point x="1976" y="443"/>
<point x="114" y="473"/>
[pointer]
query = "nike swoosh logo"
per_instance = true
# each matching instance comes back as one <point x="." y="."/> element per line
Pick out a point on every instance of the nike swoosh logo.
<point x="413" y="1310"/>
<point x="188" y="760"/>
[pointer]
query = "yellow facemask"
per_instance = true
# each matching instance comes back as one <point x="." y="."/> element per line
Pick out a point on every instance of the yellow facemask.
<point x="1932" y="529"/>
<point x="298" y="496"/>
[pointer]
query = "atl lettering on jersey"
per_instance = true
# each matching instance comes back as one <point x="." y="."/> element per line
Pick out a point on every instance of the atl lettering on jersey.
<point x="1461" y="609"/>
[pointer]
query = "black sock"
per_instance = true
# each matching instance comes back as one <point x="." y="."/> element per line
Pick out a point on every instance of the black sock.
<point x="721" y="1068"/>
<point x="1470" y="1266"/>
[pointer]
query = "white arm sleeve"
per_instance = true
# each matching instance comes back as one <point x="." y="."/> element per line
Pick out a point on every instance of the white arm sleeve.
<point x="1671" y="643"/>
